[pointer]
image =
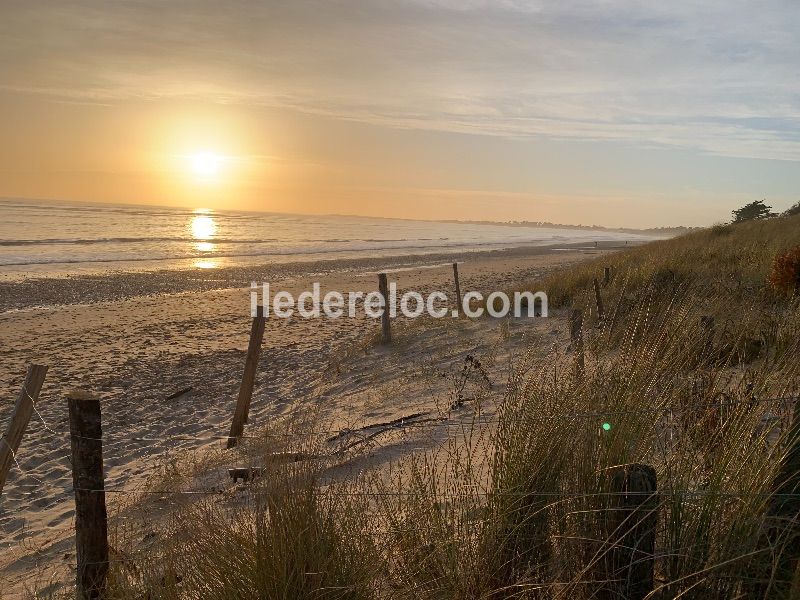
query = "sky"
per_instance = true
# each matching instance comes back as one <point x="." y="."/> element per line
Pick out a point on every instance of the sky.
<point x="608" y="112"/>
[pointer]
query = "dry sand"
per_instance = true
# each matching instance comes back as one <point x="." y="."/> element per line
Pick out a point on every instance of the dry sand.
<point x="137" y="347"/>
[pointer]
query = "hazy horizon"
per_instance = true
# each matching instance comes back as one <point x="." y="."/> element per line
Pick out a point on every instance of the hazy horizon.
<point x="192" y="208"/>
<point x="612" y="113"/>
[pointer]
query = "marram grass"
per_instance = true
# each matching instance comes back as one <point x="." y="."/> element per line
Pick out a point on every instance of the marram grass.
<point x="692" y="371"/>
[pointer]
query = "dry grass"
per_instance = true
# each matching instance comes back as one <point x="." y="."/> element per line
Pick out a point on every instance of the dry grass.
<point x="515" y="509"/>
<point x="733" y="259"/>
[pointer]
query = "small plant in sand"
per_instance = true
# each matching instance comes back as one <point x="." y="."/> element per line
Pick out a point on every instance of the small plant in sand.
<point x="473" y="376"/>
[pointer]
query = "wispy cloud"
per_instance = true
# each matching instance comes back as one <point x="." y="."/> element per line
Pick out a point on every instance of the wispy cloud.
<point x="720" y="77"/>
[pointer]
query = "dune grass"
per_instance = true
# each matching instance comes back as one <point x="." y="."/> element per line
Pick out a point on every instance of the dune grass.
<point x="693" y="371"/>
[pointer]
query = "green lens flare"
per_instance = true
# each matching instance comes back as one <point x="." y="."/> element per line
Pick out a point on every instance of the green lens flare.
<point x="606" y="426"/>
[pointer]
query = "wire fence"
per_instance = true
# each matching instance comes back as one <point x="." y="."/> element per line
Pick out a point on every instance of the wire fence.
<point x="401" y="424"/>
<point x="113" y="440"/>
<point x="443" y="424"/>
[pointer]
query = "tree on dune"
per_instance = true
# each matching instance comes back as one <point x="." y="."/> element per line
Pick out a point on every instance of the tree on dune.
<point x="755" y="210"/>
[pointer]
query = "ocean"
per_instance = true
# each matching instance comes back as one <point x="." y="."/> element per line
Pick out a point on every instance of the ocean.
<point x="49" y="238"/>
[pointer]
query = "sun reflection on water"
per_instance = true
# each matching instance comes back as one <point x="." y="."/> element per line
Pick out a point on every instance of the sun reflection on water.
<point x="203" y="228"/>
<point x="206" y="264"/>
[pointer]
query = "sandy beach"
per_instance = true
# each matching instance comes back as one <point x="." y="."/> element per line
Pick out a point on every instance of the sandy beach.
<point x="135" y="350"/>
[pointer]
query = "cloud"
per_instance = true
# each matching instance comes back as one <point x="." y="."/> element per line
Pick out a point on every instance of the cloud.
<point x="720" y="77"/>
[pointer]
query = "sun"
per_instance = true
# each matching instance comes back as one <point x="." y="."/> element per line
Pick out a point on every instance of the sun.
<point x="205" y="165"/>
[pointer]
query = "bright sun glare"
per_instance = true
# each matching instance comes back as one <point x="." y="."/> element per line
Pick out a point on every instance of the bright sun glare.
<point x="205" y="165"/>
<point x="203" y="227"/>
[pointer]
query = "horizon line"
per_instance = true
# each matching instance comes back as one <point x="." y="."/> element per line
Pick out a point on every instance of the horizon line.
<point x="509" y="223"/>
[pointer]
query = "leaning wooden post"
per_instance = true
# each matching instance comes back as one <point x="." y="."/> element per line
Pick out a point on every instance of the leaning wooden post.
<point x="606" y="275"/>
<point x="91" y="525"/>
<point x="780" y="535"/>
<point x="23" y="409"/>
<point x="383" y="287"/>
<point x="458" y="289"/>
<point x="576" y="337"/>
<point x="599" y="300"/>
<point x="242" y="411"/>
<point x="629" y="520"/>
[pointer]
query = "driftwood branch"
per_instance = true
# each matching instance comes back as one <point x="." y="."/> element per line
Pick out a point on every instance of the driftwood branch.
<point x="180" y="393"/>
<point x="390" y="424"/>
<point x="375" y="434"/>
<point x="248" y="473"/>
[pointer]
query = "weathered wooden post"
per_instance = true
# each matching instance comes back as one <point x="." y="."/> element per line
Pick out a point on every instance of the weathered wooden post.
<point x="606" y="275"/>
<point x="242" y="411"/>
<point x="599" y="300"/>
<point x="780" y="536"/>
<point x="459" y="298"/>
<point x="629" y="520"/>
<point x="576" y="338"/>
<point x="383" y="287"/>
<point x="91" y="526"/>
<point x="23" y="409"/>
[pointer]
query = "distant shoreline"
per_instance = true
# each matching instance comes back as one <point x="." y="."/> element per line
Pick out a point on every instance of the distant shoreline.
<point x="117" y="285"/>
<point x="666" y="231"/>
<point x="661" y="231"/>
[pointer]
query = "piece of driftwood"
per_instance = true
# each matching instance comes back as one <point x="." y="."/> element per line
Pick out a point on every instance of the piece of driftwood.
<point x="392" y="423"/>
<point x="248" y="473"/>
<point x="379" y="432"/>
<point x="180" y="393"/>
<point x="245" y="473"/>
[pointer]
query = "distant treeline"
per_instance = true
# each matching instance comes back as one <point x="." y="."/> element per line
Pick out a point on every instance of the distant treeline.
<point x="666" y="231"/>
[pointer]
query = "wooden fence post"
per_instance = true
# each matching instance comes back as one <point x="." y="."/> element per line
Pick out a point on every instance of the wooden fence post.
<point x="9" y="445"/>
<point x="780" y="536"/>
<point x="91" y="525"/>
<point x="629" y="522"/>
<point x="458" y="289"/>
<point x="606" y="275"/>
<point x="383" y="287"/>
<point x="576" y="337"/>
<point x="242" y="412"/>
<point x="599" y="300"/>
